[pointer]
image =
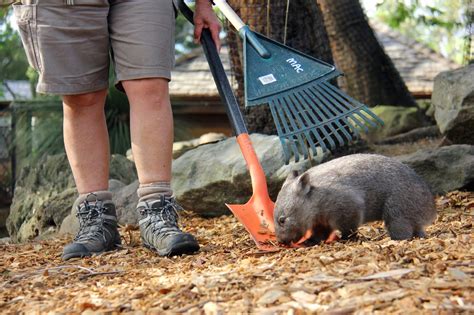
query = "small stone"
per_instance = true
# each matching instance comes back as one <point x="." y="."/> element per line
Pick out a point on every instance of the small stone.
<point x="457" y="274"/>
<point x="211" y="308"/>
<point x="270" y="297"/>
<point x="303" y="297"/>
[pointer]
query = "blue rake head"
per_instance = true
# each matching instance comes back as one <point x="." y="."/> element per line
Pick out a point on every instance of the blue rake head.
<point x="308" y="111"/>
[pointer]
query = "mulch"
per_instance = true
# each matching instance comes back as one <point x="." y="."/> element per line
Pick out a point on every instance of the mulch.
<point x="372" y="274"/>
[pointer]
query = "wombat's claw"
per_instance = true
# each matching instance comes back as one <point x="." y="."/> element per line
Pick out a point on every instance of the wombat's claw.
<point x="333" y="237"/>
<point x="301" y="242"/>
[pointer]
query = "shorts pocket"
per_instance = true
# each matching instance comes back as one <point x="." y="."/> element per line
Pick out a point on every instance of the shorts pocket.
<point x="25" y="16"/>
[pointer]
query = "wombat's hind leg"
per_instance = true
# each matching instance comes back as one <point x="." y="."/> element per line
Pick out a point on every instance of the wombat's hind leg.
<point x="400" y="229"/>
<point x="419" y="232"/>
<point x="348" y="230"/>
<point x="319" y="234"/>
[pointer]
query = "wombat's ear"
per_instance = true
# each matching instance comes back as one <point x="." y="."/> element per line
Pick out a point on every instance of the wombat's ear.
<point x="293" y="174"/>
<point x="304" y="184"/>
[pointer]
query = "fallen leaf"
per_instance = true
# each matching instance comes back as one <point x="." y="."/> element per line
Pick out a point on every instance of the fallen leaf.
<point x="387" y="274"/>
<point x="303" y="297"/>
<point x="270" y="297"/>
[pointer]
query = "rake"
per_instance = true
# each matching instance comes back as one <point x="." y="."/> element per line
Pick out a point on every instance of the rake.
<point x="308" y="111"/>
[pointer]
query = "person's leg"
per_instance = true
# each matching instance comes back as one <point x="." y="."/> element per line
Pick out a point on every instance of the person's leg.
<point x="142" y="41"/>
<point x="71" y="56"/>
<point x="151" y="128"/>
<point x="87" y="147"/>
<point x="151" y="124"/>
<point x="86" y="140"/>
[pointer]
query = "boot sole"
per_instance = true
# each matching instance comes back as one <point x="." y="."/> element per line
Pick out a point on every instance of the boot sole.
<point x="182" y="248"/>
<point x="88" y="254"/>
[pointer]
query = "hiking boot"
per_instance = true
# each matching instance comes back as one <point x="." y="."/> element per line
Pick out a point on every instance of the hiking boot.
<point x="159" y="228"/>
<point x="97" y="229"/>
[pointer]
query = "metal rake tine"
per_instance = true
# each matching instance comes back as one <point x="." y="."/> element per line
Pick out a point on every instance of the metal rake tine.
<point x="295" y="134"/>
<point x="312" y="106"/>
<point x="348" y="100"/>
<point x="281" y="135"/>
<point x="352" y="127"/>
<point x="327" y="96"/>
<point x="307" y="108"/>
<point x="319" y="140"/>
<point x="301" y="110"/>
<point x="289" y="133"/>
<point x="290" y="111"/>
<point x="325" y="101"/>
<point x="350" y="114"/>
<point x="333" y="127"/>
<point x="342" y="128"/>
<point x="368" y="111"/>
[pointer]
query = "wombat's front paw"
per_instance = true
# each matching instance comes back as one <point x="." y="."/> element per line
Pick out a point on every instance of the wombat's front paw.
<point x="333" y="237"/>
<point x="319" y="234"/>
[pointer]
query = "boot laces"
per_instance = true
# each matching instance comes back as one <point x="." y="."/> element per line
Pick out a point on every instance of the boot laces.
<point x="163" y="216"/>
<point x="91" y="220"/>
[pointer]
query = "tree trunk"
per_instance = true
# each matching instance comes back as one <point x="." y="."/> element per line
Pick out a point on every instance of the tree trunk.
<point x="305" y="32"/>
<point x="370" y="75"/>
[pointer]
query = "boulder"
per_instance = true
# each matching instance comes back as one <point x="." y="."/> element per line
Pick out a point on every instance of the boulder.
<point x="211" y="175"/>
<point x="453" y="100"/>
<point x="126" y="200"/>
<point x="70" y="224"/>
<point x="444" y="169"/>
<point x="397" y="120"/>
<point x="44" y="193"/>
<point x="413" y="135"/>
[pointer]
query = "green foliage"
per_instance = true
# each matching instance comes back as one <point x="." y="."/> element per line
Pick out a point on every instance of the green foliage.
<point x="13" y="62"/>
<point x="440" y="24"/>
<point x="184" y="36"/>
<point x="117" y="115"/>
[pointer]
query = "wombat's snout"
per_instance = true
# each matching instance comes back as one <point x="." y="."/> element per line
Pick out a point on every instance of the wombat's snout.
<point x="281" y="230"/>
<point x="283" y="240"/>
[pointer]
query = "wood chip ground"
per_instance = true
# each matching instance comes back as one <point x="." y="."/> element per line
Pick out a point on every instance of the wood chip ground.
<point x="229" y="275"/>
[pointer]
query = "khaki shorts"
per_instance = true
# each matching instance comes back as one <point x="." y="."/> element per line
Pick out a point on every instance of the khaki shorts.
<point x="69" y="41"/>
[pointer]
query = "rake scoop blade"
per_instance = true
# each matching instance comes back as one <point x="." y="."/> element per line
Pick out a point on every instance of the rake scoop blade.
<point x="308" y="111"/>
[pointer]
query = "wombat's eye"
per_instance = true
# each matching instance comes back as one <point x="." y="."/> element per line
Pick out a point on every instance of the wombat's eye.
<point x="281" y="220"/>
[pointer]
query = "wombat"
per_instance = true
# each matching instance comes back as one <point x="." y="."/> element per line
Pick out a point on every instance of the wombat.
<point x="345" y="192"/>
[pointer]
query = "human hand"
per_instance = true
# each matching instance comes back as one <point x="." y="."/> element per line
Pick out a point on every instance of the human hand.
<point x="204" y="17"/>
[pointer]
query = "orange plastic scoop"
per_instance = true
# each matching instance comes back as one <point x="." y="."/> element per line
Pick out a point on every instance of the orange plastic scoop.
<point x="257" y="214"/>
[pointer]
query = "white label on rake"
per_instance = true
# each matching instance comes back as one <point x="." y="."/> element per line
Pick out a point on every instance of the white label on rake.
<point x="267" y="79"/>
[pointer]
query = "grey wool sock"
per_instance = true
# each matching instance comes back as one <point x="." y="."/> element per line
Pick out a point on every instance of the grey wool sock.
<point x="103" y="195"/>
<point x="154" y="191"/>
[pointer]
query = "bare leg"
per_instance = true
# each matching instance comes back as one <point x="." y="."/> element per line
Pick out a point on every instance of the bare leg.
<point x="151" y="126"/>
<point x="86" y="140"/>
<point x="87" y="147"/>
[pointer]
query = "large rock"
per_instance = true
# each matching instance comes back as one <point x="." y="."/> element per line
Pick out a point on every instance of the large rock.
<point x="206" y="178"/>
<point x="70" y="224"/>
<point x="396" y="120"/>
<point x="209" y="176"/>
<point x="444" y="169"/>
<point x="45" y="192"/>
<point x="453" y="100"/>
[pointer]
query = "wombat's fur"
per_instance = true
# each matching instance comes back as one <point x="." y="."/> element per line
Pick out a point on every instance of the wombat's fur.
<point x="346" y="192"/>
